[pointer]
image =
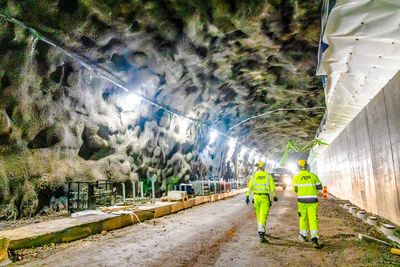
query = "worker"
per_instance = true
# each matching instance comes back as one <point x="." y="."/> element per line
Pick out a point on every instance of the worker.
<point x="261" y="184"/>
<point x="306" y="184"/>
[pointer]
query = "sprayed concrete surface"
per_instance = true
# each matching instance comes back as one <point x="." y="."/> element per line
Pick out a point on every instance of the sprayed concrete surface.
<point x="220" y="234"/>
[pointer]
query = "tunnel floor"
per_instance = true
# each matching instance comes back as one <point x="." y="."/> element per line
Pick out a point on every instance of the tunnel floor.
<point x="220" y="234"/>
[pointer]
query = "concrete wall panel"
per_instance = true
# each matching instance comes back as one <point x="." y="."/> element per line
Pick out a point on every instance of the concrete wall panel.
<point x="357" y="182"/>
<point x="382" y="159"/>
<point x="392" y="104"/>
<point x="363" y="163"/>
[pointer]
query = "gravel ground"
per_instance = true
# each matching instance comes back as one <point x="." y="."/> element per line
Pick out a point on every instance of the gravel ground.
<point x="220" y="234"/>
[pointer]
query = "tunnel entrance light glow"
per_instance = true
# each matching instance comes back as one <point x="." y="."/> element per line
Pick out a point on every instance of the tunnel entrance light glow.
<point x="183" y="126"/>
<point x="213" y="136"/>
<point x="292" y="167"/>
<point x="130" y="102"/>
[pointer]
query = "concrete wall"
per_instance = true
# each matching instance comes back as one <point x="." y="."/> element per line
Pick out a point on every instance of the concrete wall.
<point x="363" y="163"/>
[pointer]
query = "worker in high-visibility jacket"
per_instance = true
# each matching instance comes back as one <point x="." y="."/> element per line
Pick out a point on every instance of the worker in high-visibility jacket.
<point x="262" y="185"/>
<point x="306" y="184"/>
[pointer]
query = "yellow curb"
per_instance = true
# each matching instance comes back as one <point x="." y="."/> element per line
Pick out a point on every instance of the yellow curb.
<point x="77" y="232"/>
<point x="162" y="211"/>
<point x="4" y="242"/>
<point x="199" y="201"/>
<point x="177" y="207"/>
<point x="188" y="203"/>
<point x="118" y="222"/>
<point x="143" y="215"/>
<point x="35" y="241"/>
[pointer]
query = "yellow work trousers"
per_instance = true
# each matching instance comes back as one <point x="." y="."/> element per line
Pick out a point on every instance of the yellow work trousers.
<point x="261" y="206"/>
<point x="308" y="218"/>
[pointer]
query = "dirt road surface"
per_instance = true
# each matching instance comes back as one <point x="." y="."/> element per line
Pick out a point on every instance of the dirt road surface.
<point x="223" y="233"/>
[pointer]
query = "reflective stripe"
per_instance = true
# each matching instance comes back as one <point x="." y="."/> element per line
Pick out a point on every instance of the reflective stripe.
<point x="314" y="233"/>
<point x="307" y="197"/>
<point x="255" y="182"/>
<point x="303" y="185"/>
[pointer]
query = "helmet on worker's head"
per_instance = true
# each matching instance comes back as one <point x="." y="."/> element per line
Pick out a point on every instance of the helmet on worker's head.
<point x="302" y="164"/>
<point x="260" y="165"/>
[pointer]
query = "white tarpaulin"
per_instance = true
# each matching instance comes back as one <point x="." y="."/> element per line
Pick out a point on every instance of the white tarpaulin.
<point x="363" y="53"/>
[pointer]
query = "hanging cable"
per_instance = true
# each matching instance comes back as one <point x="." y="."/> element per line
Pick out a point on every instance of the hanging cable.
<point x="270" y="112"/>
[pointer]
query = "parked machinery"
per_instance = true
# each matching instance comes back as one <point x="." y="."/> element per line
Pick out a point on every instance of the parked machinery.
<point x="87" y="195"/>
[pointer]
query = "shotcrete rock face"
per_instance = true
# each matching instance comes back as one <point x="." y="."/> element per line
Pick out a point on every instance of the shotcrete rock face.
<point x="218" y="62"/>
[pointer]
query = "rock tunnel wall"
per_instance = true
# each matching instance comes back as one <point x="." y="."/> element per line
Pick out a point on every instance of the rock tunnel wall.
<point x="362" y="165"/>
<point x="58" y="122"/>
<point x="218" y="62"/>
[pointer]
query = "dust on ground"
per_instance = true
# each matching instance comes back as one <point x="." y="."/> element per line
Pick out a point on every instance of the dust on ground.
<point x="220" y="234"/>
<point x="12" y="224"/>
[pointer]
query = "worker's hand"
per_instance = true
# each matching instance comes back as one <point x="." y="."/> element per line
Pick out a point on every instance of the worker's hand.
<point x="275" y="198"/>
<point x="247" y="200"/>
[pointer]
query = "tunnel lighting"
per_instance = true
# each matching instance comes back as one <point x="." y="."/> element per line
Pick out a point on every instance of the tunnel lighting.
<point x="292" y="167"/>
<point x="232" y="143"/>
<point x="231" y="148"/>
<point x="130" y="102"/>
<point x="183" y="124"/>
<point x="213" y="136"/>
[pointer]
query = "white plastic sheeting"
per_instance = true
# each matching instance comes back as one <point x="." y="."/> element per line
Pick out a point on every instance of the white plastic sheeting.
<point x="363" y="54"/>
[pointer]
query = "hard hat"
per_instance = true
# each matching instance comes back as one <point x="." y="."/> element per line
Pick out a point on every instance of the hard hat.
<point x="302" y="164"/>
<point x="260" y="164"/>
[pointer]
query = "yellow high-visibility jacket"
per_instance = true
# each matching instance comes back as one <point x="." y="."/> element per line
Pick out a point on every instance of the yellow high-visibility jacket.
<point x="261" y="183"/>
<point x="306" y="184"/>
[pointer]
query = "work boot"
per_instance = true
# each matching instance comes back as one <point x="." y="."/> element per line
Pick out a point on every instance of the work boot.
<point x="262" y="237"/>
<point x="302" y="238"/>
<point x="315" y="243"/>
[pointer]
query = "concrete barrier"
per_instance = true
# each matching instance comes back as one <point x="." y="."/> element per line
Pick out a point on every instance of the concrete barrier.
<point x="199" y="201"/>
<point x="188" y="203"/>
<point x="176" y="207"/>
<point x="214" y="198"/>
<point x="162" y="211"/>
<point x="118" y="222"/>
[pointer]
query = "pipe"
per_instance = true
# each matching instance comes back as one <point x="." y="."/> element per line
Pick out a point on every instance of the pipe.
<point x="123" y="192"/>
<point x="153" y="190"/>
<point x="141" y="190"/>
<point x="133" y="189"/>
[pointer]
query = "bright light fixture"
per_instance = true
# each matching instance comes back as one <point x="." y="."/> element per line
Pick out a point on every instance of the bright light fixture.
<point x="183" y="125"/>
<point x="130" y="102"/>
<point x="232" y="143"/>
<point x="213" y="136"/>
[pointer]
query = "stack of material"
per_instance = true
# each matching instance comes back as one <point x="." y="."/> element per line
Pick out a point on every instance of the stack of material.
<point x="175" y="196"/>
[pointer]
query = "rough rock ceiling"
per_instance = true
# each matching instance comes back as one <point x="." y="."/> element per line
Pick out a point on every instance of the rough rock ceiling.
<point x="217" y="61"/>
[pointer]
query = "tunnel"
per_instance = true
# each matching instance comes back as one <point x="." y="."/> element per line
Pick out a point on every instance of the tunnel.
<point x="131" y="130"/>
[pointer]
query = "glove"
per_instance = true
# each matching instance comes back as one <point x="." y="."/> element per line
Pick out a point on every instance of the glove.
<point x="275" y="199"/>
<point x="247" y="200"/>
